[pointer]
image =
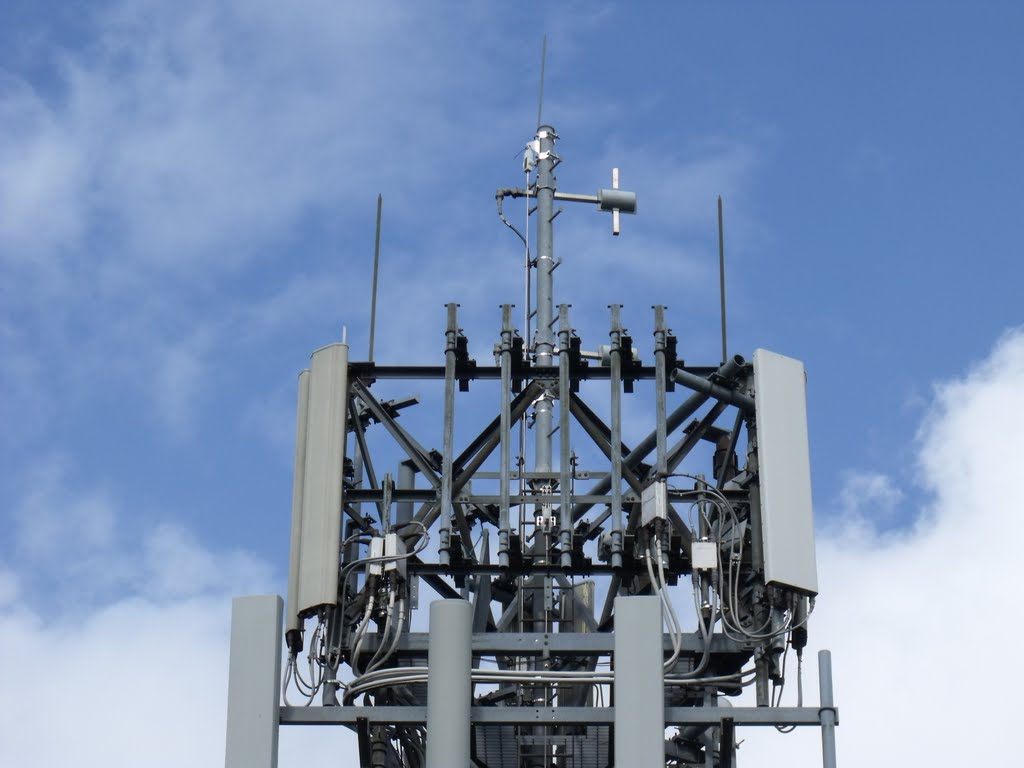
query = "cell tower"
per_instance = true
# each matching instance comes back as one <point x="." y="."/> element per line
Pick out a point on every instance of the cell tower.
<point x="591" y="603"/>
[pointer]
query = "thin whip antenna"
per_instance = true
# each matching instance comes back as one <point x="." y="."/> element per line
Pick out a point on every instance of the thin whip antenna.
<point x="540" y="98"/>
<point x="376" y="264"/>
<point x="721" y="277"/>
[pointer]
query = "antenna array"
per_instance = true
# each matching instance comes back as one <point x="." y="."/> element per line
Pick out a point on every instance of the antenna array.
<point x="599" y="603"/>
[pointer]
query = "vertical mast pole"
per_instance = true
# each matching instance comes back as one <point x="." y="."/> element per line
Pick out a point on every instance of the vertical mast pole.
<point x="545" y="287"/>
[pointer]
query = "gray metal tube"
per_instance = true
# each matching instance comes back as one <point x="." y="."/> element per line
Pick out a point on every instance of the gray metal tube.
<point x="449" y="687"/>
<point x="660" y="374"/>
<point x="564" y="443"/>
<point x="684" y="411"/>
<point x="504" y="530"/>
<point x="615" y="377"/>
<point x="700" y="384"/>
<point x="681" y="413"/>
<point x="406" y="482"/>
<point x="754" y="489"/>
<point x="451" y="346"/>
<point x="828" y="712"/>
<point x="545" y="286"/>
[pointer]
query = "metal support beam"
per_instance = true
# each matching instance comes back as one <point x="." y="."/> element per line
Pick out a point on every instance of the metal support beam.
<point x="682" y="412"/>
<point x="828" y="710"/>
<point x="505" y="435"/>
<point x="596" y="431"/>
<point x="700" y="384"/>
<point x="616" y="435"/>
<point x="545" y="190"/>
<point x="565" y="444"/>
<point x="660" y="383"/>
<point x="412" y="715"/>
<point x="682" y="449"/>
<point x="254" y="682"/>
<point x="416" y="452"/>
<point x="450" y="352"/>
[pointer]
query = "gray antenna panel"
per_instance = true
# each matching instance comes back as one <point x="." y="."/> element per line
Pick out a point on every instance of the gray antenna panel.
<point x="787" y="514"/>
<point x="301" y="420"/>
<point x="321" y="488"/>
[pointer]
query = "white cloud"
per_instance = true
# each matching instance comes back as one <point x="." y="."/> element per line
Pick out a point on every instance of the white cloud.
<point x="116" y="642"/>
<point x="8" y="587"/>
<point x="867" y="495"/>
<point x="919" y="619"/>
<point x="54" y="523"/>
<point x="184" y="149"/>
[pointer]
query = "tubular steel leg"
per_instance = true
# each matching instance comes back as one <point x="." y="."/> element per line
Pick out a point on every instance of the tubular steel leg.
<point x="616" y="437"/>
<point x="406" y="481"/>
<point x="828" y="712"/>
<point x="639" y="683"/>
<point x="254" y="682"/>
<point x="564" y="443"/>
<point x="450" y="660"/>
<point x="444" y="534"/>
<point x="504" y="529"/>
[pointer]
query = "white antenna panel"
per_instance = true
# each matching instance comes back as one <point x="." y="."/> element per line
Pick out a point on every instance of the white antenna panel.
<point x="784" y="468"/>
<point x="324" y="460"/>
<point x="292" y="618"/>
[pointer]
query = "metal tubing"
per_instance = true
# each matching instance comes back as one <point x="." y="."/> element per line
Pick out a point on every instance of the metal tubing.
<point x="721" y="277"/>
<point x="730" y="450"/>
<point x="530" y="715"/>
<point x="700" y="384"/>
<point x="564" y="443"/>
<point x="545" y="287"/>
<point x="406" y="481"/>
<point x="595" y="430"/>
<point x="429" y="512"/>
<point x="660" y="377"/>
<point x="754" y="489"/>
<point x="449" y="688"/>
<point x="682" y="412"/>
<point x="685" y="410"/>
<point x="761" y="681"/>
<point x="639" y="683"/>
<point x="682" y="449"/>
<point x="828" y="711"/>
<point x="416" y="452"/>
<point x="505" y="435"/>
<point x="376" y="264"/>
<point x="364" y="456"/>
<point x="615" y="363"/>
<point x="450" y="350"/>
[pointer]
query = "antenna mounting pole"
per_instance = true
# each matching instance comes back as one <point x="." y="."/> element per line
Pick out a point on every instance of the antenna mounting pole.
<point x="376" y="263"/>
<point x="721" y="277"/>
<point x="545" y="191"/>
<point x="543" y="58"/>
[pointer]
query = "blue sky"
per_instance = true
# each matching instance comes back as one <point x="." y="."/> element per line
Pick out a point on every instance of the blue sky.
<point x="187" y="198"/>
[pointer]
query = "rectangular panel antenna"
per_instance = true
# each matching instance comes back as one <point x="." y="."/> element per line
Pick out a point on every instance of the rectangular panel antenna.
<point x="292" y="622"/>
<point x="784" y="469"/>
<point x="322" y="480"/>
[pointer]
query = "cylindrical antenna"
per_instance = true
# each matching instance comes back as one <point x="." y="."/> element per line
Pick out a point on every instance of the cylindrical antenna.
<point x="376" y="264"/>
<point x="540" y="98"/>
<point x="721" y="277"/>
